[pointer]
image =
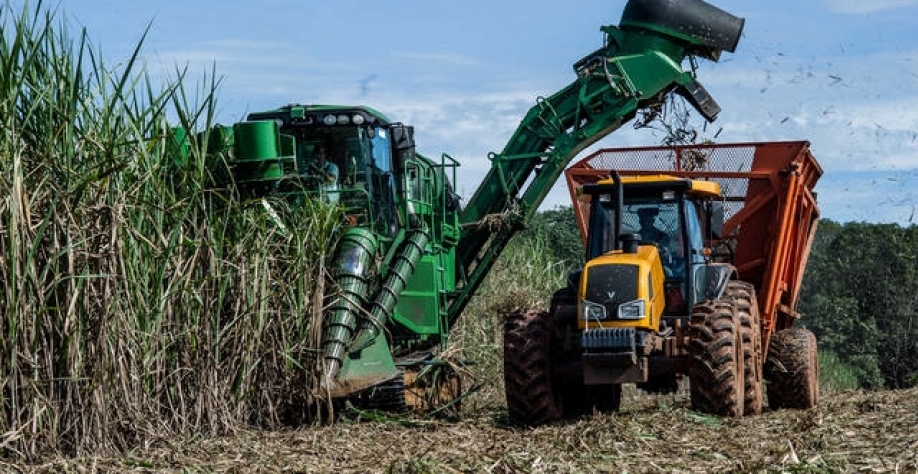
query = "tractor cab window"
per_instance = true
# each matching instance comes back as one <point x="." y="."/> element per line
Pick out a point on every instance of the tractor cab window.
<point x="657" y="223"/>
<point x="694" y="232"/>
<point x="660" y="223"/>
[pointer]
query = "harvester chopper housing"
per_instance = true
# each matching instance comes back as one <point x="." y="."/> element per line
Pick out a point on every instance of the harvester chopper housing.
<point x="413" y="253"/>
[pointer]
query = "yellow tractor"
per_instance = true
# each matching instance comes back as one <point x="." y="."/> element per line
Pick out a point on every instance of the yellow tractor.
<point x="654" y="301"/>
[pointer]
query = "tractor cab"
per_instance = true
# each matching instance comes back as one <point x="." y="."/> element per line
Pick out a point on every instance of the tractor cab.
<point x="646" y="254"/>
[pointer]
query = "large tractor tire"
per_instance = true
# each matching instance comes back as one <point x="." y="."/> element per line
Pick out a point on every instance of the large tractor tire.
<point x="717" y="360"/>
<point x="532" y="396"/>
<point x="743" y="296"/>
<point x="792" y="370"/>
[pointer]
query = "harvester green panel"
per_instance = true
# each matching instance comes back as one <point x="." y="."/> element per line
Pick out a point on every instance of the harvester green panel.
<point x="262" y="153"/>
<point x="419" y="306"/>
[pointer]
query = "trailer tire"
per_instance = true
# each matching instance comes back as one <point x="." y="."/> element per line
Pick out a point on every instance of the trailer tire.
<point x="532" y="397"/>
<point x="716" y="362"/>
<point x="743" y="296"/>
<point x="792" y="370"/>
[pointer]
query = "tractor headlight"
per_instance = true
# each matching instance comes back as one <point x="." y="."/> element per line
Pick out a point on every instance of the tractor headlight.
<point x="358" y="119"/>
<point x="636" y="309"/>
<point x="590" y="311"/>
<point x="329" y="119"/>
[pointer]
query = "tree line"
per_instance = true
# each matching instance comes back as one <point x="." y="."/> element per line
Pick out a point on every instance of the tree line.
<point x="860" y="298"/>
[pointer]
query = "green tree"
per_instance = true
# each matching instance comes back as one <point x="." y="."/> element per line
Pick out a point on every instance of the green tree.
<point x="557" y="229"/>
<point x="860" y="297"/>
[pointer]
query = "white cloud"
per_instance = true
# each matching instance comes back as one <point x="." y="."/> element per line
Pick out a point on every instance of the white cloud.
<point x="860" y="7"/>
<point x="857" y="118"/>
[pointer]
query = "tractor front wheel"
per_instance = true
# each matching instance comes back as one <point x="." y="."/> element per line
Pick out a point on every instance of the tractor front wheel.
<point x="716" y="364"/>
<point x="532" y="397"/>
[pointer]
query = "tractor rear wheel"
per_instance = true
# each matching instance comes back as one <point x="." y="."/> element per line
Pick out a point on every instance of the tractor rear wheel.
<point x="716" y="363"/>
<point x="792" y="369"/>
<point x="743" y="296"/>
<point x="532" y="396"/>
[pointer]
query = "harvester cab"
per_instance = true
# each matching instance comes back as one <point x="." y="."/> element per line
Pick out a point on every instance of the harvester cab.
<point x="342" y="155"/>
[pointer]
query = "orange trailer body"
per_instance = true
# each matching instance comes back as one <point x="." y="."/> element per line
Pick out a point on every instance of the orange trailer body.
<point x="770" y="208"/>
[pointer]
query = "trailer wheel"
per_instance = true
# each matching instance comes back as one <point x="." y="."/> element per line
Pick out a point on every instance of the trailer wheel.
<point x="743" y="296"/>
<point x="532" y="397"/>
<point x="792" y="370"/>
<point x="716" y="363"/>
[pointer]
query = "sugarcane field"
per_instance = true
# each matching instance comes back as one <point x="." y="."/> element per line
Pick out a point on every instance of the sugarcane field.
<point x="638" y="278"/>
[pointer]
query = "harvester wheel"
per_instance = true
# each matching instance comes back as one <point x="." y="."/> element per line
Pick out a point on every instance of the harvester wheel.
<point x="792" y="369"/>
<point x="532" y="397"/>
<point x="434" y="388"/>
<point x="743" y="296"/>
<point x="716" y="365"/>
<point x="387" y="396"/>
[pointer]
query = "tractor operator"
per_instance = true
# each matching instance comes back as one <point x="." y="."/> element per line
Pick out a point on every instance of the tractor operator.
<point x="647" y="217"/>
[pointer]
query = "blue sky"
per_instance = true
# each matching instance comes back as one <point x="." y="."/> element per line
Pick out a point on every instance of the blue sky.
<point x="842" y="74"/>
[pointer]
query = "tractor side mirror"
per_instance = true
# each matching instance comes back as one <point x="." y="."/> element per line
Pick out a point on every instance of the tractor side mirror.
<point x="717" y="216"/>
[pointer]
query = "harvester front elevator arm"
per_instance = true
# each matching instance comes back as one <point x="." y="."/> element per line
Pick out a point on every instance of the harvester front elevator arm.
<point x="640" y="64"/>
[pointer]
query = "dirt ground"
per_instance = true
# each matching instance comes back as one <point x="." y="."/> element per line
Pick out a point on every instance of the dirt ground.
<point x="847" y="432"/>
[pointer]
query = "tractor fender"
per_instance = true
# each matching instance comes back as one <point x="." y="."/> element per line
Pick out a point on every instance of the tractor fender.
<point x="711" y="279"/>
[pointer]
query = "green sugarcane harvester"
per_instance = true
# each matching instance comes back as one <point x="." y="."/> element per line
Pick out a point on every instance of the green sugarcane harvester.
<point x="411" y="256"/>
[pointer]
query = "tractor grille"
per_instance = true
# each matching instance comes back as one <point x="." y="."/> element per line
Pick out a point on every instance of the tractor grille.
<point x="612" y="285"/>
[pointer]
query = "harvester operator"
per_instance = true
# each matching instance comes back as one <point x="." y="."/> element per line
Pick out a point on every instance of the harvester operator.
<point x="328" y="172"/>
